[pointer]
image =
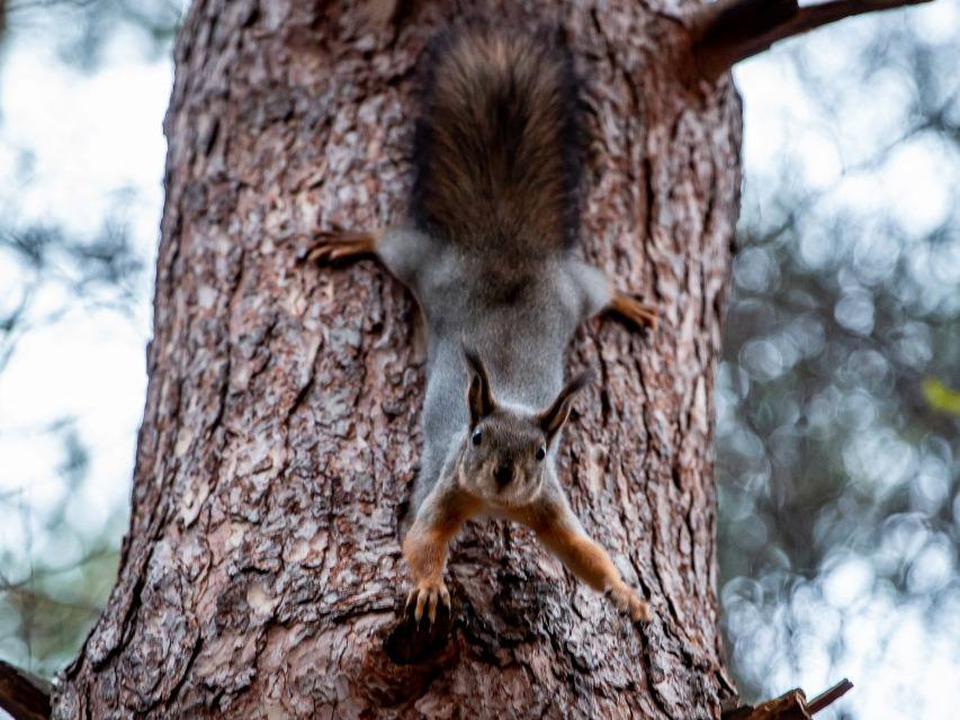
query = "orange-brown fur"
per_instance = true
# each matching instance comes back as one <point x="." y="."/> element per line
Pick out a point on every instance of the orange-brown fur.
<point x="425" y="546"/>
<point x="632" y="310"/>
<point x="425" y="550"/>
<point x="584" y="558"/>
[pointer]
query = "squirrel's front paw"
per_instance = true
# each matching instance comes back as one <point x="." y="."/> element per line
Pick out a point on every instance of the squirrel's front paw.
<point x="333" y="246"/>
<point x="629" y="603"/>
<point x="428" y="594"/>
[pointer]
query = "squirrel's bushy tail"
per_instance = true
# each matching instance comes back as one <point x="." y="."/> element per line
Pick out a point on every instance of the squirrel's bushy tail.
<point x="496" y="149"/>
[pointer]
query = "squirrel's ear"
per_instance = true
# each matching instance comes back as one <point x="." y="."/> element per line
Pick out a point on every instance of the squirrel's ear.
<point x="553" y="418"/>
<point x="479" y="398"/>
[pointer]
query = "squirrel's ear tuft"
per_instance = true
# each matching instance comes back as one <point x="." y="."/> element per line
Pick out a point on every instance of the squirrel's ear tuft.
<point x="479" y="398"/>
<point x="553" y="418"/>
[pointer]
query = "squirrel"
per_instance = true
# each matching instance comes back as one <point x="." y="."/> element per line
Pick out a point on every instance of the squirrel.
<point x="488" y="255"/>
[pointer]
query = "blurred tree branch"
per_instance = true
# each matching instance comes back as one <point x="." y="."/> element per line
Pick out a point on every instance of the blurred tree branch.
<point x="729" y="31"/>
<point x="22" y="694"/>
<point x="790" y="706"/>
<point x="99" y="272"/>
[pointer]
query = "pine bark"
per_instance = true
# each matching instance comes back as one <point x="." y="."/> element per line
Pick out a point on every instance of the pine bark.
<point x="261" y="574"/>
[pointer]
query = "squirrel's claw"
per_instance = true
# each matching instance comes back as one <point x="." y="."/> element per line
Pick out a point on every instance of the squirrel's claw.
<point x="629" y="603"/>
<point x="427" y="596"/>
<point x="334" y="246"/>
<point x="638" y="312"/>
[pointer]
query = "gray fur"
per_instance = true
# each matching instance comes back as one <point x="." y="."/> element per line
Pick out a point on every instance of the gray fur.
<point x="519" y="318"/>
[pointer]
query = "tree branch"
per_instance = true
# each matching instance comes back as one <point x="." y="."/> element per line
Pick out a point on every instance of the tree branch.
<point x="24" y="695"/>
<point x="790" y="706"/>
<point x="827" y="697"/>
<point x="728" y="31"/>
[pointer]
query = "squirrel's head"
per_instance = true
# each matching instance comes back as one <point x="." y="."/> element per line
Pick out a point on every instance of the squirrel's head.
<point x="508" y="447"/>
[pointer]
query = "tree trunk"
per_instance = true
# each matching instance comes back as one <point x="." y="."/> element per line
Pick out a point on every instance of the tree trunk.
<point x="262" y="573"/>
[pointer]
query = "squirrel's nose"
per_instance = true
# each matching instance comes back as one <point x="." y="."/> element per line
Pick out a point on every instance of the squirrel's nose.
<point x="503" y="475"/>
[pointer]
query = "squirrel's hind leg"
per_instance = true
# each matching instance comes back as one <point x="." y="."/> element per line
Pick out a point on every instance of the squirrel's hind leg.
<point x="628" y="308"/>
<point x="600" y="295"/>
<point x="406" y="252"/>
<point x="339" y="246"/>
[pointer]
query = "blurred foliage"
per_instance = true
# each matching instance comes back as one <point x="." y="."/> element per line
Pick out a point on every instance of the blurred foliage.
<point x="93" y="272"/>
<point x="83" y="27"/>
<point x="52" y="590"/>
<point x="837" y="456"/>
<point x="940" y="397"/>
<point x="53" y="586"/>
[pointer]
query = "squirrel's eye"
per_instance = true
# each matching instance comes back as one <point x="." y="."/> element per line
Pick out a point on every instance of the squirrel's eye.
<point x="477" y="437"/>
<point x="541" y="452"/>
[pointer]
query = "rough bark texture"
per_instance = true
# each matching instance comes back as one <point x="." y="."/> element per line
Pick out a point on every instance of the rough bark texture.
<point x="262" y="568"/>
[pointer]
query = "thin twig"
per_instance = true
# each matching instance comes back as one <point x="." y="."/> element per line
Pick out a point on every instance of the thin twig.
<point x="791" y="705"/>
<point x="828" y="697"/>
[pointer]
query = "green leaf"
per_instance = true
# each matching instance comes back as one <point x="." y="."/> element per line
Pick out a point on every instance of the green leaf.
<point x="940" y="397"/>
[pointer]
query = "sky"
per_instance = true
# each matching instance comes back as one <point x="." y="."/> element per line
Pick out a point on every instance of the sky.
<point x="97" y="138"/>
<point x="94" y="138"/>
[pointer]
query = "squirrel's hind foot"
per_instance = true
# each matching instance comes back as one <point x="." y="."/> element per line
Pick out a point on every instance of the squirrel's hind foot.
<point x="336" y="246"/>
<point x="629" y="308"/>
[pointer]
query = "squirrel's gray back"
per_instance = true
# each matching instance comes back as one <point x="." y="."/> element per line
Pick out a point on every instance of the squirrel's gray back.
<point x="496" y="147"/>
<point x="520" y="333"/>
